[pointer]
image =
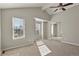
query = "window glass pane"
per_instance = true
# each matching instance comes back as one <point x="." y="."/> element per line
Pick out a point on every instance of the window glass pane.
<point x="18" y="28"/>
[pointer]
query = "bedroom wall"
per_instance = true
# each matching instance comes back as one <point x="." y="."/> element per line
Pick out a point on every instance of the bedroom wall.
<point x="28" y="14"/>
<point x="69" y="24"/>
<point x="0" y="32"/>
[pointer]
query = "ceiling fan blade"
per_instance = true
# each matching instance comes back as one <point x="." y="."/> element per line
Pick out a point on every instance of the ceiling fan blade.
<point x="55" y="10"/>
<point x="68" y="4"/>
<point x="63" y="9"/>
<point x="60" y="4"/>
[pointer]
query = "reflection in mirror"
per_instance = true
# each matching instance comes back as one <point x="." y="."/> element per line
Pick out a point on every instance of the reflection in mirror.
<point x="18" y="28"/>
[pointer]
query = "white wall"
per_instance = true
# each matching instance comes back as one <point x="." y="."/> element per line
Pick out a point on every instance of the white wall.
<point x="69" y="24"/>
<point x="0" y="32"/>
<point x="28" y="14"/>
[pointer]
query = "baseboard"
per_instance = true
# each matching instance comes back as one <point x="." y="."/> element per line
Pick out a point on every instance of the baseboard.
<point x="18" y="46"/>
<point x="75" y="44"/>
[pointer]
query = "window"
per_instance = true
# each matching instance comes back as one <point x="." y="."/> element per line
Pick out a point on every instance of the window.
<point x="18" y="28"/>
<point x="38" y="28"/>
<point x="51" y="30"/>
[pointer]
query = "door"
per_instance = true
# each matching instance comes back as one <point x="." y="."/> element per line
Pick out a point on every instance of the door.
<point x="38" y="30"/>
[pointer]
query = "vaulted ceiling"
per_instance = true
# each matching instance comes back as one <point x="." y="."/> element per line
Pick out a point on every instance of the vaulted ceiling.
<point x="44" y="6"/>
<point x="50" y="11"/>
<point x="20" y="5"/>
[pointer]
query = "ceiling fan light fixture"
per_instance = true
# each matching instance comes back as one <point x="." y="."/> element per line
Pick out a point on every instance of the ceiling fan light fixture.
<point x="61" y="6"/>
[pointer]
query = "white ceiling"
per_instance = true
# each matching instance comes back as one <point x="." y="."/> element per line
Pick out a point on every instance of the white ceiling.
<point x="44" y="6"/>
<point x="50" y="11"/>
<point x="20" y="5"/>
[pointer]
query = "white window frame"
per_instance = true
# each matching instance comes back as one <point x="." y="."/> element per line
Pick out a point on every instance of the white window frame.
<point x="21" y="37"/>
<point x="51" y="29"/>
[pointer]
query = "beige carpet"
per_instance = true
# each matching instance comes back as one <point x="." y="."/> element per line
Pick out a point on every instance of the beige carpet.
<point x="57" y="48"/>
<point x="61" y="49"/>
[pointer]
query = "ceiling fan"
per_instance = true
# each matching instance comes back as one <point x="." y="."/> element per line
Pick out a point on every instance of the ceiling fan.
<point x="61" y="6"/>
